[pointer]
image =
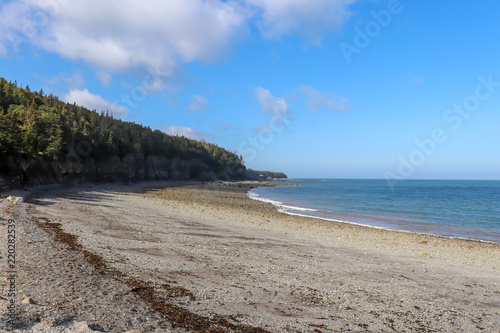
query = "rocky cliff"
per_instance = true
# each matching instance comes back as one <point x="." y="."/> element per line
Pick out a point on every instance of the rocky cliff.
<point x="18" y="172"/>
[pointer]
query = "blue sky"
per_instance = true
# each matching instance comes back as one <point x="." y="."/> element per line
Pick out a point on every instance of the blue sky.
<point x="320" y="89"/>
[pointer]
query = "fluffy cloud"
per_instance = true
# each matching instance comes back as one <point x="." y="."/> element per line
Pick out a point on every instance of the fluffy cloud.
<point x="198" y="104"/>
<point x="311" y="19"/>
<point x="416" y="79"/>
<point x="223" y="126"/>
<point x="119" y="34"/>
<point x="91" y="101"/>
<point x="72" y="81"/>
<point x="262" y="129"/>
<point x="15" y="24"/>
<point x="104" y="77"/>
<point x="317" y="100"/>
<point x="273" y="105"/>
<point x="188" y="132"/>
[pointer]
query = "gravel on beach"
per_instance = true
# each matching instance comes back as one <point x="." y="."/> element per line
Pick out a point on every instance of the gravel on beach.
<point x="192" y="256"/>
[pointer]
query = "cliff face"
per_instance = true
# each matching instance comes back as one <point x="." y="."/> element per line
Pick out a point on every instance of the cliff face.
<point x="17" y="172"/>
<point x="44" y="140"/>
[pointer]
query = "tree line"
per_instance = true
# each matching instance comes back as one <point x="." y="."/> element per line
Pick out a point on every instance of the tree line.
<point x="33" y="124"/>
<point x="256" y="174"/>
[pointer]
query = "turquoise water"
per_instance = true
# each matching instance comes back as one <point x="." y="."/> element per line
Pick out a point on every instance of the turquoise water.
<point x="459" y="209"/>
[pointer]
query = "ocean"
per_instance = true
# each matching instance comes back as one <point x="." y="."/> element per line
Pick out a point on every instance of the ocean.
<point x="468" y="209"/>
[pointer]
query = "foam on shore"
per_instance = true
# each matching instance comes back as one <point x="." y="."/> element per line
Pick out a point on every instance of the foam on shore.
<point x="303" y="212"/>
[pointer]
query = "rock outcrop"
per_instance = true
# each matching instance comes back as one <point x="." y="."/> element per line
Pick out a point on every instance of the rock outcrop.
<point x="18" y="172"/>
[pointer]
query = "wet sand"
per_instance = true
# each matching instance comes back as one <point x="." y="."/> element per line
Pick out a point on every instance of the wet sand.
<point x="235" y="264"/>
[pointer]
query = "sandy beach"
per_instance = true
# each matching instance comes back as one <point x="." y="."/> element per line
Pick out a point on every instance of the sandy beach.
<point x="177" y="257"/>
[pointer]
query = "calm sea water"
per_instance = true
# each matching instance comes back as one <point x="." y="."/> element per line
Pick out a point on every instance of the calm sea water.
<point x="462" y="209"/>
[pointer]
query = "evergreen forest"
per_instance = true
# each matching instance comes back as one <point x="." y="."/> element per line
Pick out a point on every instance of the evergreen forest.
<point x="35" y="125"/>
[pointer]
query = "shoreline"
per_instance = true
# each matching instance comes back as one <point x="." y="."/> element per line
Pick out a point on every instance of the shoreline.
<point x="242" y="261"/>
<point x="450" y="237"/>
<point x="282" y="208"/>
<point x="466" y="239"/>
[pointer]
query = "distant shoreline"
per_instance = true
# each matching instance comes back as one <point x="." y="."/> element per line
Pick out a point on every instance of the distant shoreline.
<point x="292" y="180"/>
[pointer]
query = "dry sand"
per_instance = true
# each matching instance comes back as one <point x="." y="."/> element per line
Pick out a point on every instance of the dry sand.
<point x="203" y="257"/>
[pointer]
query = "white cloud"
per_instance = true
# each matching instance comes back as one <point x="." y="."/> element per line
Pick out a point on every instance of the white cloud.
<point x="120" y="34"/>
<point x="67" y="81"/>
<point x="188" y="132"/>
<point x="104" y="77"/>
<point x="318" y="100"/>
<point x="262" y="129"/>
<point x="312" y="19"/>
<point x="91" y="101"/>
<point x="415" y="78"/>
<point x="198" y="104"/>
<point x="117" y="35"/>
<point x="273" y="105"/>
<point x="223" y="126"/>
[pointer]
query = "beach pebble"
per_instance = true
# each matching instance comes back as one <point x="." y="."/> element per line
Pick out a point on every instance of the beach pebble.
<point x="28" y="300"/>
<point x="15" y="199"/>
<point x="134" y="331"/>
